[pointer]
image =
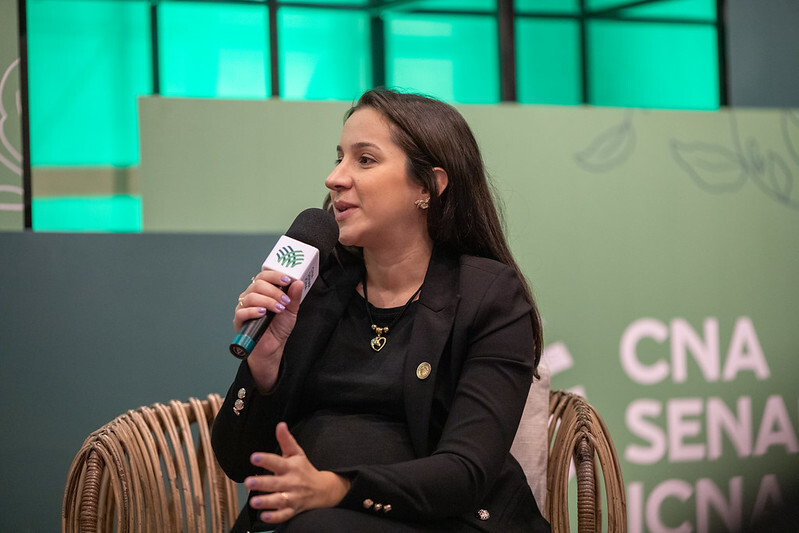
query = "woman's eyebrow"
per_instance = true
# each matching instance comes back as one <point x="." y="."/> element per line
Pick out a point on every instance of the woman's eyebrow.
<point x="359" y="145"/>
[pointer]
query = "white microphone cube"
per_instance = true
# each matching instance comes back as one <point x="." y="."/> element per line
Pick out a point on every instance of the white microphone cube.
<point x="296" y="260"/>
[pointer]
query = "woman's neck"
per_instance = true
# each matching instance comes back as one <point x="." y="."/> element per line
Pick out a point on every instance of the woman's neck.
<point x="394" y="275"/>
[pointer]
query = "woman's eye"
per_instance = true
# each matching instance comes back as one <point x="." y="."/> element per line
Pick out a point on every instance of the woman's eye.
<point x="362" y="160"/>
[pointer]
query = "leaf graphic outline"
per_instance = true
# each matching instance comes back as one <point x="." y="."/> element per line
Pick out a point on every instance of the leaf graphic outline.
<point x="12" y="159"/>
<point x="609" y="149"/>
<point x="777" y="181"/>
<point x="790" y="131"/>
<point x="714" y="168"/>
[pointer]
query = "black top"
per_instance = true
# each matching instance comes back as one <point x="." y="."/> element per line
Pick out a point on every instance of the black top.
<point x="353" y="394"/>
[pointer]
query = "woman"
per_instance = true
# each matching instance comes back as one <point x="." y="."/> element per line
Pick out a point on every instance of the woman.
<point x="390" y="399"/>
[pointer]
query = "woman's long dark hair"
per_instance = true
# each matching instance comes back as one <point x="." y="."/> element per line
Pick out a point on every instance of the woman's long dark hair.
<point x="464" y="217"/>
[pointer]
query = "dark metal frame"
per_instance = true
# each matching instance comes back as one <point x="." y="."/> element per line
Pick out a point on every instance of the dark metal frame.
<point x="505" y="13"/>
<point x="27" y="187"/>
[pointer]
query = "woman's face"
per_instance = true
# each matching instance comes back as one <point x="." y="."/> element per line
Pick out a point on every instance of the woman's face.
<point x="372" y="193"/>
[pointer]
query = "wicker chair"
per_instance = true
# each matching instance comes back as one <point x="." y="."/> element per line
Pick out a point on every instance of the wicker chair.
<point x="581" y="438"/>
<point x="153" y="470"/>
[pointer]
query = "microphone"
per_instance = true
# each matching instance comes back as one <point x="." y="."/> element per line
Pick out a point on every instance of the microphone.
<point x="297" y="254"/>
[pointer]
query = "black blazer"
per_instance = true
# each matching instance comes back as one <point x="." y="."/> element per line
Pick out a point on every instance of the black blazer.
<point x="467" y="374"/>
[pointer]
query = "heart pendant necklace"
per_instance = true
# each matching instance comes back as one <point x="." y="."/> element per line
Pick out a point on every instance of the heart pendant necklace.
<point x="379" y="340"/>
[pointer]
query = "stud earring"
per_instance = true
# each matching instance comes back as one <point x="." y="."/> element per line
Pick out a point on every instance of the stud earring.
<point x="423" y="203"/>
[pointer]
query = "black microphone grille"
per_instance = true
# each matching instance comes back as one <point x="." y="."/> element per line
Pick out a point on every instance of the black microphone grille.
<point x="316" y="227"/>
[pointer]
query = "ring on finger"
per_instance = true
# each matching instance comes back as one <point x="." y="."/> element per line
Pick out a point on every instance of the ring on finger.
<point x="252" y="279"/>
<point x="285" y="499"/>
<point x="241" y="301"/>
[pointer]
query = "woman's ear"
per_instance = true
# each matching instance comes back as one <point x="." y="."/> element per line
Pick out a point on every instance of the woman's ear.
<point x="442" y="179"/>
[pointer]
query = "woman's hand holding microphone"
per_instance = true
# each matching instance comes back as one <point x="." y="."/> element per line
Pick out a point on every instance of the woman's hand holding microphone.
<point x="266" y="293"/>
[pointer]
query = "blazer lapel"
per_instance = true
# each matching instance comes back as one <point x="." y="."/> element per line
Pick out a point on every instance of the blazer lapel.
<point x="431" y="329"/>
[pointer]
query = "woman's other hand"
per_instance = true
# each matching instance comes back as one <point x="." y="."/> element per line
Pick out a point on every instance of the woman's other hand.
<point x="296" y="485"/>
<point x="266" y="293"/>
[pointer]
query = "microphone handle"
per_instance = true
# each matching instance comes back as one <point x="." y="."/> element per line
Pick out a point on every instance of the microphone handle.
<point x="249" y="335"/>
<point x="251" y="332"/>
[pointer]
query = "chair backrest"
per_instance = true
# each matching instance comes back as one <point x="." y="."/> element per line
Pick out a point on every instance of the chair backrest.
<point x="151" y="469"/>
<point x="578" y="435"/>
<point x="531" y="445"/>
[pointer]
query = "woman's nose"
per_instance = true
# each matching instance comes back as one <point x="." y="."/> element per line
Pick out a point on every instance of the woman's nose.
<point x="337" y="178"/>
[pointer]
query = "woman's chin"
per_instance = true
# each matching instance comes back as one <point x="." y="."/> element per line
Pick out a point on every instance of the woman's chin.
<point x="348" y="240"/>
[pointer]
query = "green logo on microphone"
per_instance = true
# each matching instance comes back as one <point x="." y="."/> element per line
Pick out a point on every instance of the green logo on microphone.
<point x="289" y="257"/>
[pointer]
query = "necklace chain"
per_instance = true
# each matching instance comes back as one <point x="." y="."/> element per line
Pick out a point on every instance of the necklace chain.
<point x="379" y="340"/>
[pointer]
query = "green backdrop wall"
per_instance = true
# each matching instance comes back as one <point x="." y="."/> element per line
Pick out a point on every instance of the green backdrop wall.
<point x="94" y="325"/>
<point x="663" y="248"/>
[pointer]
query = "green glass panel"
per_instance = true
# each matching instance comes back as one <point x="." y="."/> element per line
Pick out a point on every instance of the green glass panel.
<point x="452" y="5"/>
<point x="704" y="10"/>
<point x="454" y="58"/>
<point x="328" y="2"/>
<point x="595" y="5"/>
<point x="653" y="65"/>
<point x="700" y="10"/>
<point x="324" y="54"/>
<point x="214" y="50"/>
<point x="548" y="61"/>
<point x="547" y="6"/>
<point x="120" y="213"/>
<point x="87" y="63"/>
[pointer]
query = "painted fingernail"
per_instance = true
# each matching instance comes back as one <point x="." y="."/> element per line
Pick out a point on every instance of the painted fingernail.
<point x="266" y="517"/>
<point x="280" y="307"/>
<point x="285" y="299"/>
<point x="261" y="310"/>
<point x="285" y="279"/>
<point x="249" y="483"/>
<point x="255" y="502"/>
